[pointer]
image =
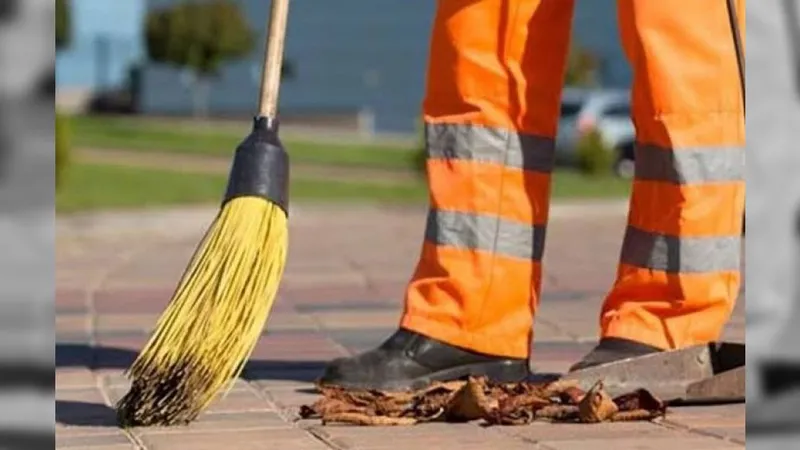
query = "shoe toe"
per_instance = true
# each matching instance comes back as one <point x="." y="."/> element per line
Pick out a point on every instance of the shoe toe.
<point x="337" y="370"/>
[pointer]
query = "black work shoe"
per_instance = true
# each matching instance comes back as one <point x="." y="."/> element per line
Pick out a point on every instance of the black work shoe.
<point x="613" y="349"/>
<point x="410" y="361"/>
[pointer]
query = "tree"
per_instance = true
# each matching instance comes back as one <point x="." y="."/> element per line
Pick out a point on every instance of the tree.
<point x="63" y="24"/>
<point x="198" y="37"/>
<point x="582" y="67"/>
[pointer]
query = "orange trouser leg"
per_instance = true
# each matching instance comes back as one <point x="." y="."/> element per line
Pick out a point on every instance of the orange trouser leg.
<point x="491" y="110"/>
<point x="679" y="275"/>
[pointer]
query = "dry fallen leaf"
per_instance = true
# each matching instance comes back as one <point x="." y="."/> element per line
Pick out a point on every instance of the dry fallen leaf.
<point x="470" y="402"/>
<point x="364" y="419"/>
<point x="596" y="405"/>
<point x="478" y="399"/>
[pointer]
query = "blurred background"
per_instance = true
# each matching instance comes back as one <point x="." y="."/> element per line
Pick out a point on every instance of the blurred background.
<point x="142" y="122"/>
<point x="27" y="224"/>
<point x="133" y="103"/>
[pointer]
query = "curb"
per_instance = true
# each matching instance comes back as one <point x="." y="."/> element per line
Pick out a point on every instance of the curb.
<point x="198" y="218"/>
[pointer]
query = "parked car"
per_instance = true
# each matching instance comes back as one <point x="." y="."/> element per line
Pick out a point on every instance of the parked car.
<point x="607" y="111"/>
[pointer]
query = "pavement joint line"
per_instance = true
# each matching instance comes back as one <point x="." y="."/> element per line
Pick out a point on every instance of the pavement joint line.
<point x="508" y="431"/>
<point x="323" y="330"/>
<point x="102" y="384"/>
<point x="320" y="435"/>
<point x="670" y="425"/>
<point x="264" y="395"/>
<point x="572" y="336"/>
<point x="96" y="285"/>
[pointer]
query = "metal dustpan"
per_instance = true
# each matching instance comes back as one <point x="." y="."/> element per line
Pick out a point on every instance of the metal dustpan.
<point x="710" y="373"/>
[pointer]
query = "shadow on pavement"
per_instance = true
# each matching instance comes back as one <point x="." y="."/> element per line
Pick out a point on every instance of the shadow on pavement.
<point x="83" y="414"/>
<point x="84" y="355"/>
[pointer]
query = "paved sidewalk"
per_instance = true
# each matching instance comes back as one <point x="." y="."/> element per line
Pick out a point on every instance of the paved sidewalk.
<point x="345" y="276"/>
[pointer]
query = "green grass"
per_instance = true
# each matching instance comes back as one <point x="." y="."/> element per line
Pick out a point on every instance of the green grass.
<point x="102" y="186"/>
<point x="571" y="184"/>
<point x="124" y="133"/>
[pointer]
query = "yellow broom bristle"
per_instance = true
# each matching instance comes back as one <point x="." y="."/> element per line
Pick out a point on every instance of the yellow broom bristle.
<point x="213" y="322"/>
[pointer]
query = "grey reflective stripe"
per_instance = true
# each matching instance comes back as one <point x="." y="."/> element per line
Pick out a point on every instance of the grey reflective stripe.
<point x="487" y="233"/>
<point x="491" y="145"/>
<point x="685" y="255"/>
<point x="689" y="165"/>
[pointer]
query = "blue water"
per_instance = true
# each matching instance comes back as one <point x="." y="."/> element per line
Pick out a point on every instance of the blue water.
<point x="347" y="55"/>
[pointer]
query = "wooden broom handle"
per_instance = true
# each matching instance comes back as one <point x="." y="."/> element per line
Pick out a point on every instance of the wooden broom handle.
<point x="273" y="60"/>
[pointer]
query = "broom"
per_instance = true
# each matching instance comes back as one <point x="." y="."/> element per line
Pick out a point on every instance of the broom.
<point x="219" y="308"/>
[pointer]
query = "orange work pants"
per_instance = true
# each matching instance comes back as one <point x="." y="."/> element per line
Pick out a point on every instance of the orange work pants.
<point x="491" y="110"/>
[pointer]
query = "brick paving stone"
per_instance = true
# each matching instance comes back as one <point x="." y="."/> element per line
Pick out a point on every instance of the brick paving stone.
<point x="146" y="300"/>
<point x="359" y="340"/>
<point x="113" y="322"/>
<point x="292" y="399"/>
<point x="312" y="307"/>
<point x="642" y="443"/>
<point x="353" y="319"/>
<point x="238" y="421"/>
<point x="122" y="343"/>
<point x="326" y="294"/>
<point x="282" y="381"/>
<point x="545" y="331"/>
<point x="112" y="378"/>
<point x="74" y="378"/>
<point x="73" y="323"/>
<point x="341" y="294"/>
<point x="240" y="401"/>
<point x="337" y="278"/>
<point x="283" y="320"/>
<point x="391" y="292"/>
<point x="79" y="395"/>
<point x="71" y="301"/>
<point x="726" y="421"/>
<point x="432" y="435"/>
<point x="300" y="346"/>
<point x="557" y="356"/>
<point x="82" y="338"/>
<point x="115" y="393"/>
<point x="539" y="431"/>
<point x="248" y="439"/>
<point x="578" y="319"/>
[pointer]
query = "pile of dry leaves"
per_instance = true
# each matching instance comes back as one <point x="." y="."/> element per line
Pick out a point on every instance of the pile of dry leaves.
<point x="478" y="399"/>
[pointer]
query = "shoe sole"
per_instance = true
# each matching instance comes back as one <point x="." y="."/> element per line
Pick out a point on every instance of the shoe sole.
<point x="498" y="372"/>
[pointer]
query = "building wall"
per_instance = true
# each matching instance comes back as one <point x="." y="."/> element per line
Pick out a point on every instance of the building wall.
<point x="354" y="55"/>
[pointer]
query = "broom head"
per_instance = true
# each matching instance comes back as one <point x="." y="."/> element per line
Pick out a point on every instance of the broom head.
<point x="214" y="319"/>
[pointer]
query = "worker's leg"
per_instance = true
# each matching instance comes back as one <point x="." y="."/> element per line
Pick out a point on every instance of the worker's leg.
<point x="679" y="277"/>
<point x="491" y="110"/>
